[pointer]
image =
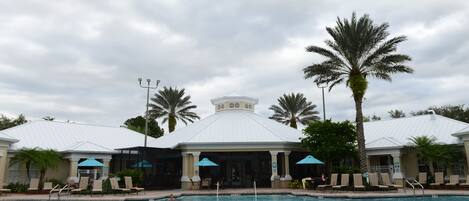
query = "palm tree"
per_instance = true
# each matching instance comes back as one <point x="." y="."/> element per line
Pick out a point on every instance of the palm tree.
<point x="26" y="157"/>
<point x="41" y="159"/>
<point x="293" y="108"/>
<point x="172" y="104"/>
<point x="359" y="50"/>
<point x="427" y="149"/>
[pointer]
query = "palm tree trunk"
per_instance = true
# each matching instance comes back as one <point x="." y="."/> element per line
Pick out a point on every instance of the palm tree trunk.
<point x="360" y="135"/>
<point x="41" y="178"/>
<point x="171" y="123"/>
<point x="430" y="166"/>
<point x="293" y="123"/>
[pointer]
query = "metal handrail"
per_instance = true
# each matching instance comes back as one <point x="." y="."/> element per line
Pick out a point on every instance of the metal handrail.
<point x="413" y="187"/>
<point x="53" y="189"/>
<point x="421" y="186"/>
<point x="255" y="190"/>
<point x="66" y="187"/>
<point x="218" y="187"/>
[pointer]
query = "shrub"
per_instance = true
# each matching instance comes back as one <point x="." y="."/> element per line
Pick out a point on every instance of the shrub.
<point x="17" y="187"/>
<point x="297" y="184"/>
<point x="136" y="175"/>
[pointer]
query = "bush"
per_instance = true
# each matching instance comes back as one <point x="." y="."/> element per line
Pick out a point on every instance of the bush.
<point x="107" y="186"/>
<point x="297" y="184"/>
<point x="17" y="187"/>
<point x="136" y="175"/>
<point x="345" y="169"/>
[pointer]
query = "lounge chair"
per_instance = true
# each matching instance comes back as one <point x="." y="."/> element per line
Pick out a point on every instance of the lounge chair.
<point x="4" y="190"/>
<point x="47" y="186"/>
<point x="344" y="182"/>
<point x="453" y="181"/>
<point x="465" y="184"/>
<point x="333" y="182"/>
<point x="206" y="183"/>
<point x="97" y="187"/>
<point x="374" y="182"/>
<point x="358" y="182"/>
<point x="129" y="185"/>
<point x="423" y="178"/>
<point x="387" y="181"/>
<point x="439" y="179"/>
<point x="34" y="184"/>
<point x="115" y="186"/>
<point x="82" y="185"/>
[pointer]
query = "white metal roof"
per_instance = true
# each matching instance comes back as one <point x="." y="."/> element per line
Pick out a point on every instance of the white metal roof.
<point x="231" y="126"/>
<point x="73" y="137"/>
<point x="396" y="132"/>
<point x="6" y="137"/>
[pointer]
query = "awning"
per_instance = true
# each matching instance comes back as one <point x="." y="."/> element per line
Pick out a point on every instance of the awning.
<point x="205" y="162"/>
<point x="309" y="160"/>
<point x="90" y="162"/>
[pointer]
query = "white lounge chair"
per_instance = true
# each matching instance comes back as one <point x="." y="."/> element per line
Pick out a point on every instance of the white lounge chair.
<point x="387" y="181"/>
<point x="97" y="187"/>
<point x="333" y="182"/>
<point x="129" y="185"/>
<point x="439" y="179"/>
<point x="374" y="181"/>
<point x="115" y="186"/>
<point x="423" y="178"/>
<point x="34" y="184"/>
<point x="358" y="182"/>
<point x="453" y="181"/>
<point x="344" y="182"/>
<point x="82" y="185"/>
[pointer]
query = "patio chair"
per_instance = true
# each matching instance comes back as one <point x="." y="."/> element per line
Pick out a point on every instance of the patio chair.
<point x="115" y="186"/>
<point x="453" y="181"/>
<point x="423" y="178"/>
<point x="344" y="182"/>
<point x="374" y="182"/>
<point x="358" y="182"/>
<point x="97" y="187"/>
<point x="465" y="184"/>
<point x="34" y="184"/>
<point x="206" y="183"/>
<point x="129" y="185"/>
<point x="4" y="190"/>
<point x="47" y="186"/>
<point x="82" y="185"/>
<point x="387" y="181"/>
<point x="333" y="182"/>
<point x="439" y="179"/>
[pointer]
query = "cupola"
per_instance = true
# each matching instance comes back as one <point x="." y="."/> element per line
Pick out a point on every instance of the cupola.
<point x="234" y="103"/>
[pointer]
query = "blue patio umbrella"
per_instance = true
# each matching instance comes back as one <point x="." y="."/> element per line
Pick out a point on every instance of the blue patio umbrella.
<point x="144" y="164"/>
<point x="309" y="160"/>
<point x="205" y="162"/>
<point x="90" y="162"/>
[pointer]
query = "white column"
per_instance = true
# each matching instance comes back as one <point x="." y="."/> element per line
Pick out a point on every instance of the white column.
<point x="106" y="162"/>
<point x="196" y="177"/>
<point x="287" y="166"/>
<point x="274" y="166"/>
<point x="73" y="172"/>
<point x="396" y="161"/>
<point x="185" y="167"/>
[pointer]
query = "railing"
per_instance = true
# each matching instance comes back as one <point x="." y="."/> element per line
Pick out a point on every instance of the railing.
<point x="66" y="187"/>
<point x="53" y="190"/>
<point x="218" y="187"/>
<point x="413" y="184"/>
<point x="255" y="190"/>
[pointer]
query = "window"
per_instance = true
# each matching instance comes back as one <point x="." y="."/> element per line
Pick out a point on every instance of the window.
<point x="246" y="106"/>
<point x="237" y="105"/>
<point x="222" y="106"/>
<point x="218" y="106"/>
<point x="231" y="105"/>
<point x="250" y="106"/>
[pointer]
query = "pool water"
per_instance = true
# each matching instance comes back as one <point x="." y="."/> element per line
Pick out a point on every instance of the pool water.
<point x="307" y="198"/>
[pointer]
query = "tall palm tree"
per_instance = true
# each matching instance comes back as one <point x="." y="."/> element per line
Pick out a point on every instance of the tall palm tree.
<point x="359" y="50"/>
<point x="41" y="159"/>
<point x="172" y="104"/>
<point x="293" y="108"/>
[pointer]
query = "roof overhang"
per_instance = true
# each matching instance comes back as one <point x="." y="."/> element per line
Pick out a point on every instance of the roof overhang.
<point x="240" y="146"/>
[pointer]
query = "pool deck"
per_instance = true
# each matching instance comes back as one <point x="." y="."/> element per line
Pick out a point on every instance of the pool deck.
<point x="165" y="193"/>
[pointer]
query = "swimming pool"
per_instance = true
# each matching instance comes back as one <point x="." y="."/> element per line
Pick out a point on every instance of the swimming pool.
<point x="307" y="198"/>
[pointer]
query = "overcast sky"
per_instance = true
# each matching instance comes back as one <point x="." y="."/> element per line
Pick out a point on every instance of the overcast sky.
<point x="80" y="60"/>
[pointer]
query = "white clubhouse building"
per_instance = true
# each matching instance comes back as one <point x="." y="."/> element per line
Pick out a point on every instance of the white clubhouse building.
<point x="246" y="146"/>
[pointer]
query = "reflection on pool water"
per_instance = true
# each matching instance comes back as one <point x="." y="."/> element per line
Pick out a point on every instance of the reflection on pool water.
<point x="307" y="198"/>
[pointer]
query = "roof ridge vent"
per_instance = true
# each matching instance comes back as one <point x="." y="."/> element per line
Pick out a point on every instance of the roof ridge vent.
<point x="432" y="114"/>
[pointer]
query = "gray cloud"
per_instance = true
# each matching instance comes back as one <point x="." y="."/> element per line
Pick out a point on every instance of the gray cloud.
<point x="79" y="60"/>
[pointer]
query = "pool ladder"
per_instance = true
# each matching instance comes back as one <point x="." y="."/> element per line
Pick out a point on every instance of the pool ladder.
<point x="255" y="190"/>
<point x="414" y="183"/>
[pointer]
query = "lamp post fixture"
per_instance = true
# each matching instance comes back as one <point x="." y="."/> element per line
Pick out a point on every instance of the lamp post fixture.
<point x="322" y="86"/>
<point x="148" y="87"/>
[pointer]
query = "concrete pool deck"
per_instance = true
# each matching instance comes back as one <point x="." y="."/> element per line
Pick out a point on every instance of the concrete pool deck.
<point x="165" y="193"/>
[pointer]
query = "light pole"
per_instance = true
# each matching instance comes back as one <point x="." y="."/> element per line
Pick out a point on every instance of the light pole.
<point x="148" y="87"/>
<point x="322" y="86"/>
